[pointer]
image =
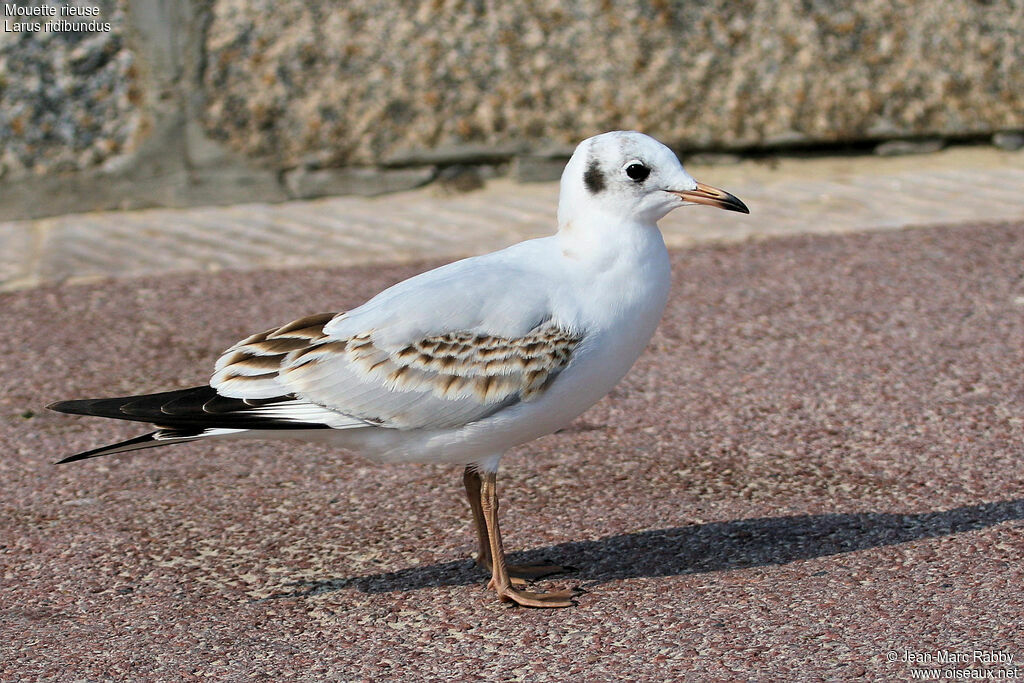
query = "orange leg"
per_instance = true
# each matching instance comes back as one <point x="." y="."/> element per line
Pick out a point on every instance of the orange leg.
<point x="471" y="479"/>
<point x="518" y="573"/>
<point x="500" y="579"/>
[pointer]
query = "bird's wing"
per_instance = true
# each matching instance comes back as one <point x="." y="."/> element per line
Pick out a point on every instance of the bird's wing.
<point x="429" y="353"/>
<point x="203" y="408"/>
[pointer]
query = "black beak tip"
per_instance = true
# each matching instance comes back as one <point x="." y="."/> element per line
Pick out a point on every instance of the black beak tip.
<point x="737" y="205"/>
<point x="731" y="202"/>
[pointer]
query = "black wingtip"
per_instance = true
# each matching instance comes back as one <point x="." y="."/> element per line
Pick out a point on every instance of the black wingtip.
<point x="138" y="442"/>
<point x="77" y="407"/>
<point x="72" y="458"/>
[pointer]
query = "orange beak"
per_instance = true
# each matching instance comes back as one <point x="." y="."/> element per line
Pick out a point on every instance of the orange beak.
<point x="712" y="196"/>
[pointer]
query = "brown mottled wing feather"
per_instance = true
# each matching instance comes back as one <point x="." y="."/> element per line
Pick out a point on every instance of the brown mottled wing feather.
<point x="439" y="381"/>
<point x="250" y="368"/>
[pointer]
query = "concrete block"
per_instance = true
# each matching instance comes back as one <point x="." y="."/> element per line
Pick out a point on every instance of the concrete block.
<point x="1010" y="141"/>
<point x="537" y="169"/>
<point x="302" y="183"/>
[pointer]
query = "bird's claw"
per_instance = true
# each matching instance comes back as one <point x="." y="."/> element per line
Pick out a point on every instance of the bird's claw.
<point x="553" y="599"/>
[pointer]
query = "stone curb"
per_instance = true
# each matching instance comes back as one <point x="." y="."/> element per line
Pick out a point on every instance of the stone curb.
<point x="786" y="196"/>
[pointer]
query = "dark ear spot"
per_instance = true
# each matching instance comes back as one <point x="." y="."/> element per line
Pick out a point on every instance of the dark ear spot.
<point x="593" y="178"/>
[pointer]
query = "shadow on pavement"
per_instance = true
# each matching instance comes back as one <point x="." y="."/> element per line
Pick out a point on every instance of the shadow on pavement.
<point x="701" y="548"/>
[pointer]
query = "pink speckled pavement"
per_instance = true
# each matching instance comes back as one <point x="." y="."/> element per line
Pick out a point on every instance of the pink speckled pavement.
<point x="816" y="468"/>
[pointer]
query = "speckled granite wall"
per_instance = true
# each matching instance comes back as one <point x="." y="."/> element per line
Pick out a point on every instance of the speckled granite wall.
<point x="68" y="99"/>
<point x="217" y="101"/>
<point x="367" y="82"/>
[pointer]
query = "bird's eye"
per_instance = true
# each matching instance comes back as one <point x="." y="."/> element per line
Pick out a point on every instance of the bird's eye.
<point x="638" y="172"/>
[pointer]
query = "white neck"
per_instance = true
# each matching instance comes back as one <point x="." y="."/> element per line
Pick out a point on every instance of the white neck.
<point x="623" y="268"/>
<point x="600" y="237"/>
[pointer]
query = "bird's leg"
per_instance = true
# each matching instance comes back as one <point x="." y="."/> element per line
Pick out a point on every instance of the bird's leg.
<point x="471" y="479"/>
<point x="517" y="572"/>
<point x="500" y="579"/>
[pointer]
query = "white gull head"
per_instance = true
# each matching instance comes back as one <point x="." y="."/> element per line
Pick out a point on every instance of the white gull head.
<point x="629" y="177"/>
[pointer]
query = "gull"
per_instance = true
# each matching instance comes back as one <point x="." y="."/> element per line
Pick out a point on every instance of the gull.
<point x="461" y="363"/>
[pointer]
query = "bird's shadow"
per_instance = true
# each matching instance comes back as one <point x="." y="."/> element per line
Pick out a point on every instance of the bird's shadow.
<point x="699" y="548"/>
